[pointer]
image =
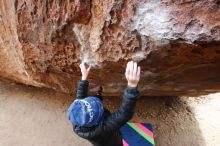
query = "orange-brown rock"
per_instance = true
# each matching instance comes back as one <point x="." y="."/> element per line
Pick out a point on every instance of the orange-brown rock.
<point x="177" y="44"/>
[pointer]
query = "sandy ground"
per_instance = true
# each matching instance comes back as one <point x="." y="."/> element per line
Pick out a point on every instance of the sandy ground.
<point x="37" y="117"/>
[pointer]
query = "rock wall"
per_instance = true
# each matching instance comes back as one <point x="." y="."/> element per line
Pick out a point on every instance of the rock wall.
<point x="177" y="44"/>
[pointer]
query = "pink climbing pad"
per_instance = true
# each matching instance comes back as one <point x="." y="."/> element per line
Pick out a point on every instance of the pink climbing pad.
<point x="137" y="134"/>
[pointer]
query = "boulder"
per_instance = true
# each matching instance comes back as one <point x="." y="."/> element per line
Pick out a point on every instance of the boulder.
<point x="176" y="43"/>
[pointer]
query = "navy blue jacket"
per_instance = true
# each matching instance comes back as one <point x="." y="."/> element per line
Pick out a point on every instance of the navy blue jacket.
<point x="107" y="133"/>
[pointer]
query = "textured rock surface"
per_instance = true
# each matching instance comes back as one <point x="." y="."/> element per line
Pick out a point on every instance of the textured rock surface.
<point x="177" y="43"/>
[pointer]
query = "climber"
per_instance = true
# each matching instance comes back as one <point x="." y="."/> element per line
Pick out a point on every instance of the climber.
<point x="91" y="121"/>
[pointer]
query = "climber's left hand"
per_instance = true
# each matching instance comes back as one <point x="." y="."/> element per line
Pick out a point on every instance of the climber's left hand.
<point x="84" y="70"/>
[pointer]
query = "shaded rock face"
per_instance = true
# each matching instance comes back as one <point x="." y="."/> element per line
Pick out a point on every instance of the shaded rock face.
<point x="177" y="44"/>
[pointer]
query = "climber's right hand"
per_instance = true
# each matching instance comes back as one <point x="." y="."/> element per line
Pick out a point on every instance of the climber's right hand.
<point x="84" y="70"/>
<point x="132" y="74"/>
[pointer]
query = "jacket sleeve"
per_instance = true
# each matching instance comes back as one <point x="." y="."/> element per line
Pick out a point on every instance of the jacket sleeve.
<point x="125" y="111"/>
<point x="82" y="89"/>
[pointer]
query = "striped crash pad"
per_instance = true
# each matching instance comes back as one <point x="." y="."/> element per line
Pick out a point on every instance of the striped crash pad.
<point x="137" y="134"/>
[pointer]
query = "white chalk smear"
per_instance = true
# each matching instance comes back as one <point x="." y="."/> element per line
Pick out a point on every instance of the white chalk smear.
<point x="152" y="19"/>
<point x="89" y="59"/>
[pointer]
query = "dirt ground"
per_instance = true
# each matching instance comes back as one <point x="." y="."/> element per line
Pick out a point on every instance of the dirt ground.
<point x="37" y="117"/>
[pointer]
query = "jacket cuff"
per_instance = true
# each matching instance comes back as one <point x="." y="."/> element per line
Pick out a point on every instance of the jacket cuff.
<point x="84" y="82"/>
<point x="132" y="90"/>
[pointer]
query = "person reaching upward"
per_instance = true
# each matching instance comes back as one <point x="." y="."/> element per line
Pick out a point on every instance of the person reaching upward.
<point x="92" y="121"/>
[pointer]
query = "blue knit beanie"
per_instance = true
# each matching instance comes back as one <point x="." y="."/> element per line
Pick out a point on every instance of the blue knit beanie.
<point x="86" y="112"/>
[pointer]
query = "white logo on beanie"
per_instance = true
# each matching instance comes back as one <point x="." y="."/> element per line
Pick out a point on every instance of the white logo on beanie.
<point x="90" y="110"/>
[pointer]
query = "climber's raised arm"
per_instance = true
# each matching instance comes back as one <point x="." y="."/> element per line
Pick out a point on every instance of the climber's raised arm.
<point x="130" y="97"/>
<point x="83" y="84"/>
